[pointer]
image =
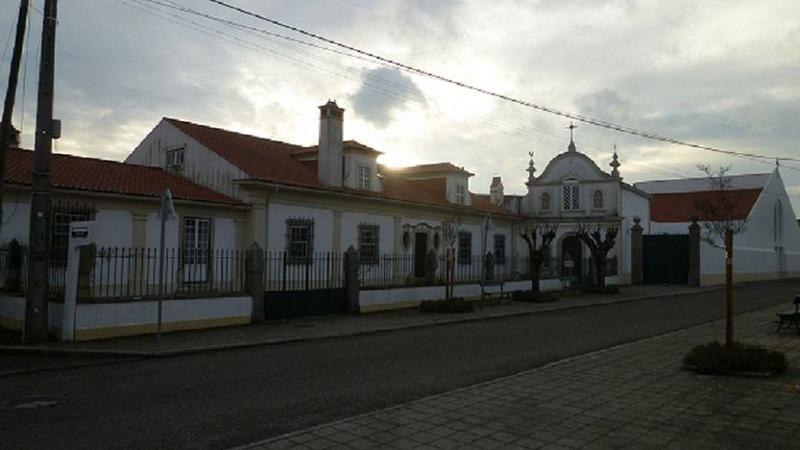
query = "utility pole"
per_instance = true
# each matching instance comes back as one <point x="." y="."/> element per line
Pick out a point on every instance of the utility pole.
<point x="11" y="92"/>
<point x="36" y="322"/>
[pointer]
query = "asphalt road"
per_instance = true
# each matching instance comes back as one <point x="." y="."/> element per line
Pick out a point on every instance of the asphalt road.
<point x="224" y="399"/>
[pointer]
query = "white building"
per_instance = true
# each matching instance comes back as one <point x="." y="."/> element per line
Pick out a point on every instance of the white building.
<point x="769" y="246"/>
<point x="573" y="192"/>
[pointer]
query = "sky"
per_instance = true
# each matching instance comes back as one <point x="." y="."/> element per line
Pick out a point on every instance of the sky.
<point x="719" y="73"/>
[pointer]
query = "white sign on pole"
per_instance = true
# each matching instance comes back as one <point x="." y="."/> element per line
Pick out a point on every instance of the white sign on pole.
<point x="167" y="209"/>
<point x="166" y="212"/>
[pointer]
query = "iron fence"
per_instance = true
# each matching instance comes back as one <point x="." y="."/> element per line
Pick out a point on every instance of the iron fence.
<point x="403" y="270"/>
<point x="14" y="272"/>
<point x="118" y="273"/>
<point x="320" y="270"/>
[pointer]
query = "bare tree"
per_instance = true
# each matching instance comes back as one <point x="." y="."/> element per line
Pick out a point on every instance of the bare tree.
<point x="538" y="237"/>
<point x="600" y="241"/>
<point x="721" y="222"/>
<point x="450" y="234"/>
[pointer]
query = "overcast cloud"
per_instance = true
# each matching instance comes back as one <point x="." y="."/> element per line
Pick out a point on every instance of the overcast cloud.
<point x="722" y="73"/>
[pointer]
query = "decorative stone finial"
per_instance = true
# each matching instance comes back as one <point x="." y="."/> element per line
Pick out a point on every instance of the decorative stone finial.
<point x="615" y="163"/>
<point x="531" y="170"/>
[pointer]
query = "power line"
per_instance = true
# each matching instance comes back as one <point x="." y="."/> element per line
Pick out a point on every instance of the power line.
<point x="147" y="7"/>
<point x="547" y="109"/>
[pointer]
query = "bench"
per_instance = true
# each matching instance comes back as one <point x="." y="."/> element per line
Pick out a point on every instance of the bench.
<point x="487" y="296"/>
<point x="792" y="318"/>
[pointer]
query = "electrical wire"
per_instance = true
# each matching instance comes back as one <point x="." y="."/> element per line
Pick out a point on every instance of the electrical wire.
<point x="547" y="109"/>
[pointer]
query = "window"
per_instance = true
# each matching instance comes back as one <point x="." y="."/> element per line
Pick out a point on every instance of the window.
<point x="368" y="244"/>
<point x="777" y="223"/>
<point x="175" y="159"/>
<point x="60" y="233"/>
<point x="572" y="196"/>
<point x="545" y="201"/>
<point x="461" y="194"/>
<point x="464" y="248"/>
<point x="299" y="240"/>
<point x="196" y="240"/>
<point x="364" y="174"/>
<point x="500" y="248"/>
<point x="598" y="200"/>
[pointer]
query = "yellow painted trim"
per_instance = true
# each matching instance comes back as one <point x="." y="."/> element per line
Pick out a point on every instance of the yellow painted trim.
<point x="11" y="323"/>
<point x="131" y="330"/>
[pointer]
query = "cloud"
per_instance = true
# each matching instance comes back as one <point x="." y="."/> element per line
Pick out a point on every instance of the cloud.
<point x="370" y="105"/>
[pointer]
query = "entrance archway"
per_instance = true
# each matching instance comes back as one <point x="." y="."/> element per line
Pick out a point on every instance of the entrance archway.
<point x="573" y="247"/>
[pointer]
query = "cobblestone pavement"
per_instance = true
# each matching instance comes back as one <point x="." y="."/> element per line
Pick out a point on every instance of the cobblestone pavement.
<point x="631" y="396"/>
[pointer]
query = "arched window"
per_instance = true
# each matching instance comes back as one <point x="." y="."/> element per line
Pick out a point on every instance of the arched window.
<point x="777" y="222"/>
<point x="545" y="201"/>
<point x="598" y="200"/>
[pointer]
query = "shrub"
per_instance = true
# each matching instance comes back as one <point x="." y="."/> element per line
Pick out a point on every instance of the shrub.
<point x="533" y="296"/>
<point x="456" y="305"/>
<point x="715" y="358"/>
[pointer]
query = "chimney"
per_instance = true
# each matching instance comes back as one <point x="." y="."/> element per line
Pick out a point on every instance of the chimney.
<point x="329" y="158"/>
<point x="496" y="191"/>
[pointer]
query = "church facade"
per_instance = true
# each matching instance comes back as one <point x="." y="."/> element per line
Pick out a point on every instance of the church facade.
<point x="571" y="193"/>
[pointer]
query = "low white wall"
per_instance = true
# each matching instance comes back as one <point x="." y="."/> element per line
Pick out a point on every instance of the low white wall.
<point x="381" y="299"/>
<point x="104" y="315"/>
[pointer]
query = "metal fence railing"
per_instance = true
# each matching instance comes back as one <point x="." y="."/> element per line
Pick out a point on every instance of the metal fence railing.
<point x="133" y="273"/>
<point x="403" y="270"/>
<point x="321" y="270"/>
<point x="16" y="266"/>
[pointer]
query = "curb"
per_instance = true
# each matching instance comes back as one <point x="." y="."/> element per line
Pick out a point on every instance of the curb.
<point x="37" y="350"/>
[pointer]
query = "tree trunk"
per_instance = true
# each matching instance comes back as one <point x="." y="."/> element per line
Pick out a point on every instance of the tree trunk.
<point x="535" y="279"/>
<point x="600" y="271"/>
<point x="729" y="288"/>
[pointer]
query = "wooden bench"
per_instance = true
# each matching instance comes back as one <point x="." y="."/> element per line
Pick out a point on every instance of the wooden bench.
<point x="791" y="318"/>
<point x="487" y="296"/>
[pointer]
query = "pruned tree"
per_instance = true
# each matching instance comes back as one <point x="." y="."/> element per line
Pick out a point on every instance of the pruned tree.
<point x="538" y="237"/>
<point x="450" y="234"/>
<point x="600" y="241"/>
<point x="721" y="221"/>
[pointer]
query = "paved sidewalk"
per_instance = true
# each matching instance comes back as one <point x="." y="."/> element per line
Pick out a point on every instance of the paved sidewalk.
<point x="323" y="327"/>
<point x="630" y="396"/>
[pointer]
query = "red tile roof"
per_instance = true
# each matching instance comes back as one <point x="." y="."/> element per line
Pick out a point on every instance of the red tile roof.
<point x="430" y="168"/>
<point x="683" y="206"/>
<point x="261" y="159"/>
<point x="273" y="161"/>
<point x="97" y="175"/>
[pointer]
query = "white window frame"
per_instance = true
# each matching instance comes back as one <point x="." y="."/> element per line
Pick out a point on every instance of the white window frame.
<point x="364" y="177"/>
<point x="571" y="196"/>
<point x="461" y="194"/>
<point x="299" y="250"/>
<point x="174" y="159"/>
<point x="196" y="240"/>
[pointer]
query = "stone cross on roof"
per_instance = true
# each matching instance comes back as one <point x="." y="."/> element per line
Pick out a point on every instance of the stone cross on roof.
<point x="571" y="127"/>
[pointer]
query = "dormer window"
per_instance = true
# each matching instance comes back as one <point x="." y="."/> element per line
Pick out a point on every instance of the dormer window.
<point x="572" y="196"/>
<point x="364" y="174"/>
<point x="461" y="194"/>
<point x="174" y="162"/>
